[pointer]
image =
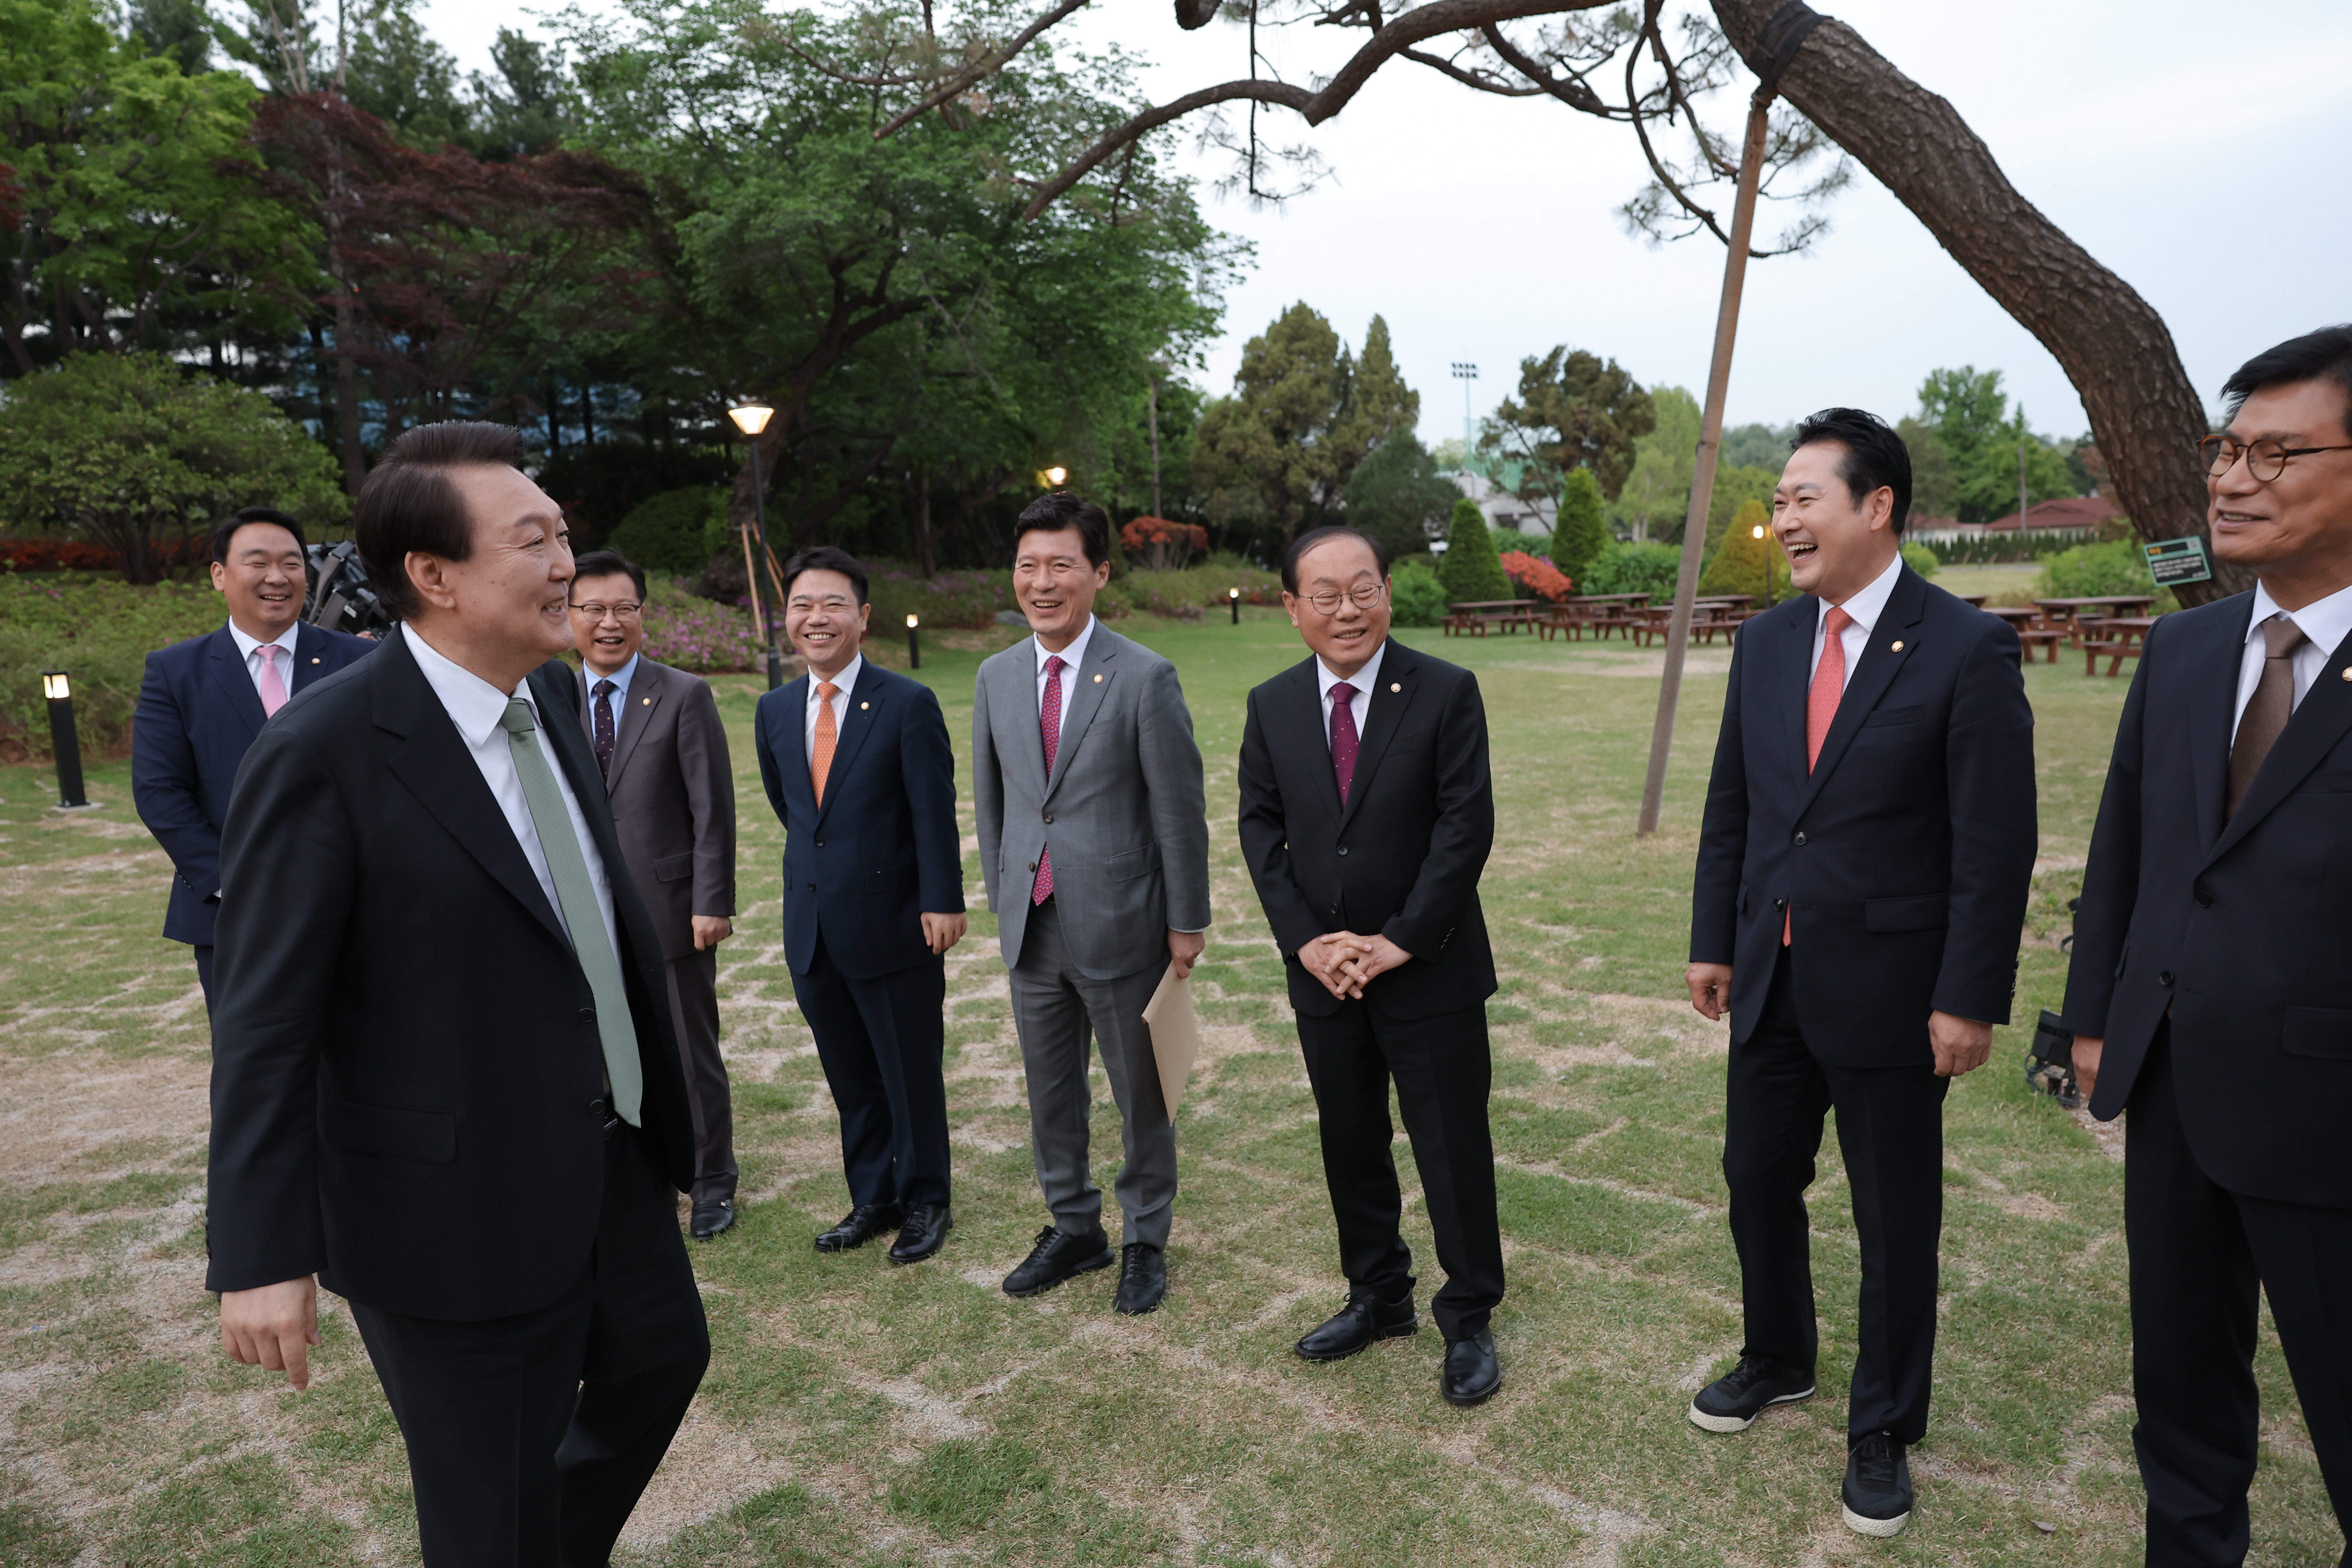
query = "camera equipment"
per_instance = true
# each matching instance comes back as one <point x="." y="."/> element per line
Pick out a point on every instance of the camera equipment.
<point x="2050" y="1061"/>
<point x="340" y="598"/>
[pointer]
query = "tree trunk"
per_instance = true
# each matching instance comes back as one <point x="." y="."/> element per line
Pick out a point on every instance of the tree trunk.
<point x="923" y="566"/>
<point x="2144" y="415"/>
<point x="587" y="417"/>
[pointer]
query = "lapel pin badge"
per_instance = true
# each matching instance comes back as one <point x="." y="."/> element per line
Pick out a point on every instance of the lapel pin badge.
<point x="2347" y="672"/>
<point x="314" y="661"/>
<point x="1898" y="646"/>
<point x="1396" y="686"/>
<point x="1098" y="680"/>
<point x="647" y="700"/>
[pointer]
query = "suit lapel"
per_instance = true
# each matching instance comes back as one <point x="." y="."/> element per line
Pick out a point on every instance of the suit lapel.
<point x="860" y="711"/>
<point x="1016" y="698"/>
<point x="1304" y="697"/>
<point x="1899" y="623"/>
<point x="2210" y="668"/>
<point x="309" y="656"/>
<point x="787" y="742"/>
<point x="1384" y="711"/>
<point x="435" y="765"/>
<point x="1082" y="699"/>
<point x="2319" y="721"/>
<point x="1793" y="650"/>
<point x="233" y="684"/>
<point x="642" y="701"/>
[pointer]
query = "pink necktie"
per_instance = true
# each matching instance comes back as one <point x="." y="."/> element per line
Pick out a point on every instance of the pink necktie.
<point x="1049" y="726"/>
<point x="272" y="689"/>
<point x="1821" y="707"/>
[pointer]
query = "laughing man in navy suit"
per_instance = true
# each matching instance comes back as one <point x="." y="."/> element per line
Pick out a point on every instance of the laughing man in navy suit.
<point x="858" y="765"/>
<point x="204" y="699"/>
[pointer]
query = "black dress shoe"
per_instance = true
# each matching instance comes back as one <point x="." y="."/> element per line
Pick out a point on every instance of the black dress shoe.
<point x="1877" y="1492"/>
<point x="1143" y="1278"/>
<point x="860" y="1225"/>
<point x="1058" y="1255"/>
<point x="925" y="1232"/>
<point x="711" y="1218"/>
<point x="1364" y="1319"/>
<point x="1472" y="1372"/>
<point x="1732" y="1402"/>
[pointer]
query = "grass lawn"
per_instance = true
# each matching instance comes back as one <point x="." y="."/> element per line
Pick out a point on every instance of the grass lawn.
<point x="856" y="1413"/>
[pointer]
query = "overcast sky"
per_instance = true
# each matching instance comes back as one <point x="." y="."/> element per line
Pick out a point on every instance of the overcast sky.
<point x="2199" y="153"/>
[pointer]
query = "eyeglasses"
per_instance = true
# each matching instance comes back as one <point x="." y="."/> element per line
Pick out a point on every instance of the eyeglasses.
<point x="1364" y="596"/>
<point x="624" y="611"/>
<point x="2265" y="458"/>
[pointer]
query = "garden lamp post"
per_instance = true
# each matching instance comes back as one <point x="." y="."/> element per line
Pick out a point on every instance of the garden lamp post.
<point x="914" y="644"/>
<point x="1757" y="532"/>
<point x="751" y="418"/>
<point x="1057" y="476"/>
<point x="63" y="741"/>
<point x="1233" y="597"/>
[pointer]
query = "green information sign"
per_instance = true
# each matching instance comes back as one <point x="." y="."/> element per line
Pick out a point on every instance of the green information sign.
<point x="2175" y="561"/>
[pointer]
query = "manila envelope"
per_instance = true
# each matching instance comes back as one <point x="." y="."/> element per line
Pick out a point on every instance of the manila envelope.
<point x="1175" y="1035"/>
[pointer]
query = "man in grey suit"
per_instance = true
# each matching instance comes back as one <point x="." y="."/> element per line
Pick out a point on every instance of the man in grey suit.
<point x="1095" y="841"/>
<point x="657" y="737"/>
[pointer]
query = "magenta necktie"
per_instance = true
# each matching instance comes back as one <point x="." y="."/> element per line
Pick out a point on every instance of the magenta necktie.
<point x="1049" y="725"/>
<point x="1343" y="737"/>
<point x="271" y="686"/>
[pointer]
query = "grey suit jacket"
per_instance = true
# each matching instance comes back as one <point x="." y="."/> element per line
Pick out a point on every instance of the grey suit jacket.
<point x="672" y="789"/>
<point x="1124" y="812"/>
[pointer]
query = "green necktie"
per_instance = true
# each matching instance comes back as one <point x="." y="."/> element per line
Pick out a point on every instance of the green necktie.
<point x="591" y="943"/>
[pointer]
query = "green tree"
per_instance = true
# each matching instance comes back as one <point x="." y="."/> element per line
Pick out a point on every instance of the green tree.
<point x="1935" y="490"/>
<point x="1396" y="496"/>
<point x="1757" y="446"/>
<point x="1577" y="534"/>
<point x="1471" y="568"/>
<point x="179" y="29"/>
<point x="524" y="108"/>
<point x="1574" y="409"/>
<point x="1655" y="498"/>
<point x="1740" y="562"/>
<point x="1734" y="488"/>
<point x="1969" y="410"/>
<point x="137" y="454"/>
<point x="1622" y="568"/>
<point x="396" y="72"/>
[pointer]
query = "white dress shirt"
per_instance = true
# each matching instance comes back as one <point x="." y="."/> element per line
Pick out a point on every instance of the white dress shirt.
<point x="476" y="707"/>
<point x="1362" y="680"/>
<point x="2323" y="623"/>
<point x="846" y="682"/>
<point x="620" y="679"/>
<point x="1865" y="607"/>
<point x="1071" y="657"/>
<point x="248" y="647"/>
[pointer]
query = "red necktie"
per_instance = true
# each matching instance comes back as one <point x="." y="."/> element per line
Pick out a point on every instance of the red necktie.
<point x="1343" y="737"/>
<point x="1821" y="707"/>
<point x="1049" y="726"/>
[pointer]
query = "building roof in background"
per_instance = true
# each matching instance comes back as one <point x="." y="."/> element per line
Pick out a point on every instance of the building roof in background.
<point x="2067" y="511"/>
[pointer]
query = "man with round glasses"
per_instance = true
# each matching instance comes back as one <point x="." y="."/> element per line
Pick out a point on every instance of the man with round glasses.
<point x="2206" y="992"/>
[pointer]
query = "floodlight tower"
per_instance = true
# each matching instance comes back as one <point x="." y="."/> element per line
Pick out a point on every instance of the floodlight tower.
<point x="1465" y="374"/>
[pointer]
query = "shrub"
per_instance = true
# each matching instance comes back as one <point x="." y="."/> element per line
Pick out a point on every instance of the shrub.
<point x="1920" y="558"/>
<point x="950" y="599"/>
<point x="1741" y="559"/>
<point x="1540" y="578"/>
<point x="1577" y="534"/>
<point x="98" y="630"/>
<point x="2095" y="571"/>
<point x="1635" y="569"/>
<point x="675" y="533"/>
<point x="700" y="634"/>
<point x="1471" y="570"/>
<point x="1415" y="595"/>
<point x="1163" y="545"/>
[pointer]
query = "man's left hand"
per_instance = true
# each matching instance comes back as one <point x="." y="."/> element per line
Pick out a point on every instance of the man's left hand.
<point x="1380" y="956"/>
<point x="1184" y="950"/>
<point x="1961" y="1043"/>
<point x="943" y="932"/>
<point x="709" y="930"/>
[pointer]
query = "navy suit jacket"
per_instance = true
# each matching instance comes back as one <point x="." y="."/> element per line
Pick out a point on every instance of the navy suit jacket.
<point x="197" y="714"/>
<point x="1907" y="853"/>
<point x="2239" y="930"/>
<point x="861" y="869"/>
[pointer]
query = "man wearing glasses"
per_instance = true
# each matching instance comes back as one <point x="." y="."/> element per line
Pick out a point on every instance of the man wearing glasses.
<point x="1366" y="813"/>
<point x="2206" y="992"/>
<point x="657" y="737"/>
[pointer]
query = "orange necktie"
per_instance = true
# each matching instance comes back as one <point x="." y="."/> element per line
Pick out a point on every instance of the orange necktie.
<point x="1821" y="707"/>
<point x="821" y="755"/>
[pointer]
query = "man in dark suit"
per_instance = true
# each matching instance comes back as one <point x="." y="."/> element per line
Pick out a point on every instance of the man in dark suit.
<point x="1367" y="814"/>
<point x="662" y="749"/>
<point x="443" y="1082"/>
<point x="1861" y="886"/>
<point x="2207" y="990"/>
<point x="858" y="766"/>
<point x="204" y="699"/>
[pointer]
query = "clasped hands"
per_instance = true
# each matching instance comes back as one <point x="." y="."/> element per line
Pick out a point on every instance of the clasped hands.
<point x="1345" y="962"/>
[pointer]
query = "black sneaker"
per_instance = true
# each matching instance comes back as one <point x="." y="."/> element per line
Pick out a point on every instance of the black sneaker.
<point x="1732" y="1402"/>
<point x="1877" y="1492"/>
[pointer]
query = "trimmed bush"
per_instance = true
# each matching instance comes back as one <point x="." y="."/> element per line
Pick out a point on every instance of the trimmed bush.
<point x="1416" y="598"/>
<point x="1921" y="559"/>
<point x="1633" y="569"/>
<point x="675" y="533"/>
<point x="1739" y="562"/>
<point x="98" y="630"/>
<point x="1470" y="569"/>
<point x="1577" y="535"/>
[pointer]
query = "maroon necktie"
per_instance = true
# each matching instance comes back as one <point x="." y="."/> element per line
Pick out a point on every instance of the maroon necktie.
<point x="1343" y="737"/>
<point x="1049" y="726"/>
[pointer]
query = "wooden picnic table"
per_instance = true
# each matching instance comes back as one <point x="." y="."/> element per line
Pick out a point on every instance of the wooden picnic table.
<point x="2118" y="637"/>
<point x="1603" y="613"/>
<point x="2066" y="612"/>
<point x="1976" y="599"/>
<point x="2031" y="631"/>
<point x="1473" y="616"/>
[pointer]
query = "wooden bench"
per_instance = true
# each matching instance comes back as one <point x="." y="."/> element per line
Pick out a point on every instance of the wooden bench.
<point x="2119" y="637"/>
<point x="1472" y="617"/>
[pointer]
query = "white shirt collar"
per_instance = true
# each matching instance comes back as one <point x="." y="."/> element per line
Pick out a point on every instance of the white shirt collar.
<point x="2323" y="621"/>
<point x="846" y="680"/>
<point x="1072" y="656"/>
<point x="619" y="677"/>
<point x="475" y="706"/>
<point x="1363" y="680"/>
<point x="285" y="639"/>
<point x="1868" y="604"/>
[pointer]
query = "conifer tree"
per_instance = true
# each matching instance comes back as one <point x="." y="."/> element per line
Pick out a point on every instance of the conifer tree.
<point x="1471" y="569"/>
<point x="1577" y="534"/>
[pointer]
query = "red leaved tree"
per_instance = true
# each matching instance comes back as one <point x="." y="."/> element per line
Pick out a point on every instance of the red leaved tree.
<point x="1166" y="545"/>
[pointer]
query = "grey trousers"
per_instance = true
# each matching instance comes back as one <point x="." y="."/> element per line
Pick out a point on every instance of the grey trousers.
<point x="694" y="1014"/>
<point x="1057" y="1010"/>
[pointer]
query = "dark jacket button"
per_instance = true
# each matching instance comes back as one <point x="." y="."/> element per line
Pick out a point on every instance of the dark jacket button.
<point x="1343" y="849"/>
<point x="820" y="843"/>
<point x="1049" y="816"/>
<point x="2164" y="977"/>
<point x="1780" y="903"/>
<point x="587" y="1015"/>
<point x="2204" y="897"/>
<point x="1800" y="837"/>
<point x="596" y="1108"/>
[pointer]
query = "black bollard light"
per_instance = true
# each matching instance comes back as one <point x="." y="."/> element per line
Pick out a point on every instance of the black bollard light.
<point x="1233" y="597"/>
<point x="63" y="741"/>
<point x="914" y="644"/>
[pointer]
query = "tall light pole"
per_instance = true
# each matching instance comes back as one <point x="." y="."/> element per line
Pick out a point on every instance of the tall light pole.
<point x="1465" y="374"/>
<point x="751" y="418"/>
<point x="1151" y="391"/>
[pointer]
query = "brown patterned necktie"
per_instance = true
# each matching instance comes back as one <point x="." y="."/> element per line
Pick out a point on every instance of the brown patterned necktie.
<point x="2267" y="711"/>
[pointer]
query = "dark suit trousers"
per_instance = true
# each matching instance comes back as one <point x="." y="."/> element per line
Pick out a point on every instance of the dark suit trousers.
<point x="693" y="1012"/>
<point x="1890" y="1125"/>
<point x="532" y="1438"/>
<point x="881" y="1041"/>
<point x="1442" y="1072"/>
<point x="205" y="973"/>
<point x="2199" y="1257"/>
